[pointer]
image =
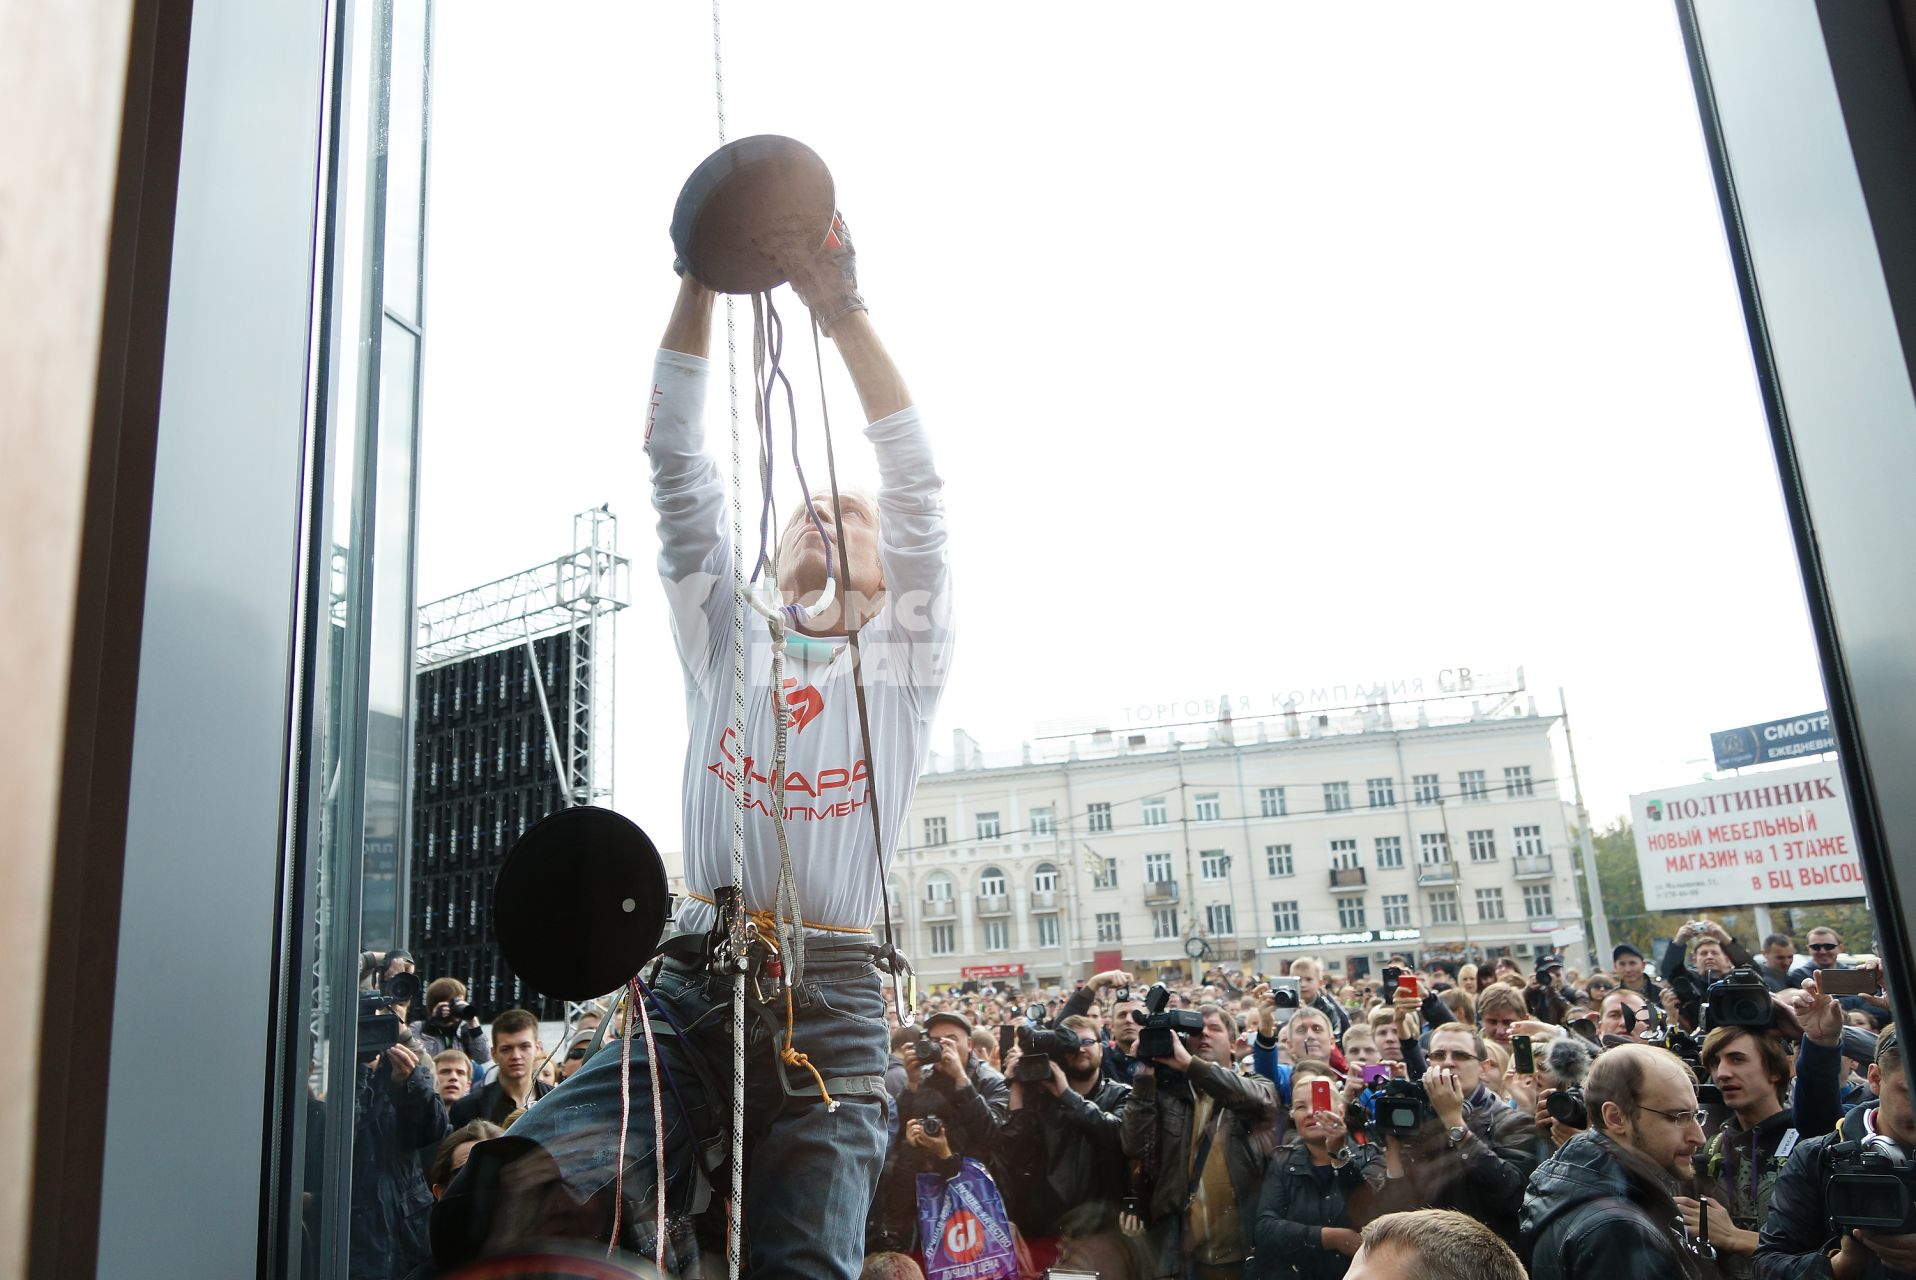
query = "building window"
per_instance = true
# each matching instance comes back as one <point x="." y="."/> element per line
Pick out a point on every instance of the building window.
<point x="1490" y="904"/>
<point x="1098" y="817"/>
<point x="1350" y="913"/>
<point x="1536" y="902"/>
<point x="988" y="826"/>
<point x="1443" y="906"/>
<point x="1390" y="852"/>
<point x="1433" y="847"/>
<point x="1383" y="792"/>
<point x="1217" y="920"/>
<point x="1047" y="931"/>
<point x="1214" y="864"/>
<point x="1045" y="878"/>
<point x="1517" y="781"/>
<point x="1109" y="929"/>
<point x="1397" y="911"/>
<point x="1277" y="860"/>
<point x="1043" y="822"/>
<point x="1164" y="923"/>
<point x="944" y="939"/>
<point x="1155" y="813"/>
<point x="1270" y="802"/>
<point x="1157" y="868"/>
<point x="1344" y="855"/>
<point x="935" y="831"/>
<point x="1425" y="789"/>
<point x="1529" y="842"/>
<point x="1337" y="796"/>
<point x="1210" y="808"/>
<point x="1107" y="875"/>
<point x="1471" y="786"/>
<point x="1482" y="844"/>
<point x="938" y="888"/>
<point x="991" y="883"/>
<point x="1284" y="917"/>
<point x="997" y="935"/>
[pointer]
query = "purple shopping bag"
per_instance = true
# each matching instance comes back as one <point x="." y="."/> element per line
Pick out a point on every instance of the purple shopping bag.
<point x="962" y="1228"/>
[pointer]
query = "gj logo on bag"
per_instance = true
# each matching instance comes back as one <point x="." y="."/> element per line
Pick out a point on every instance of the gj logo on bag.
<point x="963" y="1225"/>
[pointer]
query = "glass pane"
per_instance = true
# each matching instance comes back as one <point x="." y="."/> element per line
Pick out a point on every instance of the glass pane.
<point x="406" y="156"/>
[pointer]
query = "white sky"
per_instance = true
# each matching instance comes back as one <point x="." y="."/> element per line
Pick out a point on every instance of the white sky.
<point x="1265" y="346"/>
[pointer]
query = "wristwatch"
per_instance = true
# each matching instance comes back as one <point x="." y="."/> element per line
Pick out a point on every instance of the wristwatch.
<point x="1457" y="1133"/>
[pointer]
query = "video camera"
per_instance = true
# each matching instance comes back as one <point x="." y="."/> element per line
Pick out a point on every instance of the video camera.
<point x="1161" y="1026"/>
<point x="1038" y="1046"/>
<point x="1869" y="1186"/>
<point x="1740" y="1000"/>
<point x="1403" y="1107"/>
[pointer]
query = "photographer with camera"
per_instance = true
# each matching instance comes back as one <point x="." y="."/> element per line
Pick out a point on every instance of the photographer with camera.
<point x="1712" y="956"/>
<point x="1118" y="1062"/>
<point x="1197" y="1131"/>
<point x="451" y="1023"/>
<point x="1320" y="1189"/>
<point x="1546" y="999"/>
<point x="1060" y="1155"/>
<point x="1451" y="1143"/>
<point x="396" y="1114"/>
<point x="1602" y="1206"/>
<point x="1841" y="1206"/>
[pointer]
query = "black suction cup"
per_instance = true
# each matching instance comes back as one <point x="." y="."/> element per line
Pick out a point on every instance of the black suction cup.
<point x="749" y="208"/>
<point x="579" y="903"/>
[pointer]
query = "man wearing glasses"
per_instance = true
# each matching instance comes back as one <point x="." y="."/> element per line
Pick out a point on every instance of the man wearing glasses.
<point x="1060" y="1156"/>
<point x="1477" y="1153"/>
<point x="1602" y="1205"/>
<point x="1824" y="947"/>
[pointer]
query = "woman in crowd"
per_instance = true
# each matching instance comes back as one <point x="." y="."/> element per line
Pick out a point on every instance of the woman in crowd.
<point x="1319" y="1191"/>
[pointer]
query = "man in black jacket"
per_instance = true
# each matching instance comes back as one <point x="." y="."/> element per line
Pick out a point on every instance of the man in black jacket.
<point x="516" y="1086"/>
<point x="1060" y="1157"/>
<point x="1627" y="963"/>
<point x="1712" y="956"/>
<point x="1601" y="1207"/>
<point x="1796" y="1243"/>
<point x="1477" y="1153"/>
<point x="395" y="1114"/>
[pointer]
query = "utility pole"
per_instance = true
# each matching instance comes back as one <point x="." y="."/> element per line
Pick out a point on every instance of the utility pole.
<point x="1599" y="920"/>
<point x="1190" y="874"/>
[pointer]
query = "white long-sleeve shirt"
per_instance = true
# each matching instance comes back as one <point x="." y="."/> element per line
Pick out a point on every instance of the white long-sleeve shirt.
<point x="906" y="649"/>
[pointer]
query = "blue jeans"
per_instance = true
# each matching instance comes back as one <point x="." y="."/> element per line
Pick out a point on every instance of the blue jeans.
<point x="810" y="1173"/>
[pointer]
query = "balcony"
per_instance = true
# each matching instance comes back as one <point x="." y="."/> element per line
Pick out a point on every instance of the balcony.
<point x="1347" y="878"/>
<point x="1533" y="866"/>
<point x="1437" y="873"/>
<point x="941" y="909"/>
<point x="1044" y="899"/>
<point x="1157" y="891"/>
<point x="994" y="904"/>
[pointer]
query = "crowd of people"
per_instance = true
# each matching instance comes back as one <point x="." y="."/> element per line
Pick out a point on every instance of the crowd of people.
<point x="1718" y="1114"/>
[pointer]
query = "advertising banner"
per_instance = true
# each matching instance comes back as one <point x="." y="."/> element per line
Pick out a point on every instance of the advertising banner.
<point x="1773" y="740"/>
<point x="1770" y="837"/>
<point x="992" y="971"/>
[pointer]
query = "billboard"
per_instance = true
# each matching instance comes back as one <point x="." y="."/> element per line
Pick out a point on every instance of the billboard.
<point x="1773" y="740"/>
<point x="1771" y="837"/>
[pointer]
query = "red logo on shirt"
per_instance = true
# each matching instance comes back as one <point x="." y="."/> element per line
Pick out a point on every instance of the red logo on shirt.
<point x="804" y="704"/>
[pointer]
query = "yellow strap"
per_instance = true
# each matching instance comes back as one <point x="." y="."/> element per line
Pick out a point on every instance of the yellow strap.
<point x="764" y="916"/>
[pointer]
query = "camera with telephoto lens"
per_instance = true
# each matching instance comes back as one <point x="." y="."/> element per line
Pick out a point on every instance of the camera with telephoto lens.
<point x="1740" y="1000"/>
<point x="400" y="988"/>
<point x="1870" y="1186"/>
<point x="1566" y="1107"/>
<point x="1039" y="1046"/>
<point x="1161" y="1026"/>
<point x="1403" y="1107"/>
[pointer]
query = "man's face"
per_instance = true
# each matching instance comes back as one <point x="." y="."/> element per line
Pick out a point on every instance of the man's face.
<point x="575" y="1056"/>
<point x="1496" y="1025"/>
<point x="1084" y="1065"/>
<point x="451" y="1079"/>
<point x="1612" y="1021"/>
<point x="1390" y="1046"/>
<point x="1124" y="1028"/>
<point x="951" y="1033"/>
<point x="1392" y="1262"/>
<point x="1363" y="1053"/>
<point x="1894" y="1117"/>
<point x="1662" y="1126"/>
<point x="1779" y="955"/>
<point x="1710" y="959"/>
<point x="515" y="1053"/>
<point x="1740" y="1073"/>
<point x="1824" y="947"/>
<point x="803" y="550"/>
<point x="1457" y="1051"/>
<point x="1311" y="1036"/>
<point x="1628" y="967"/>
<point x="398" y="965"/>
<point x="1215" y="1044"/>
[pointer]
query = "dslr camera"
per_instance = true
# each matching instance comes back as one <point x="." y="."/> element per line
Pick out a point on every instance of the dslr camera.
<point x="1038" y="1046"/>
<point x="1740" y="1000"/>
<point x="1161" y="1026"/>
<point x="1403" y="1107"/>
<point x="1567" y="1108"/>
<point x="1869" y="1186"/>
